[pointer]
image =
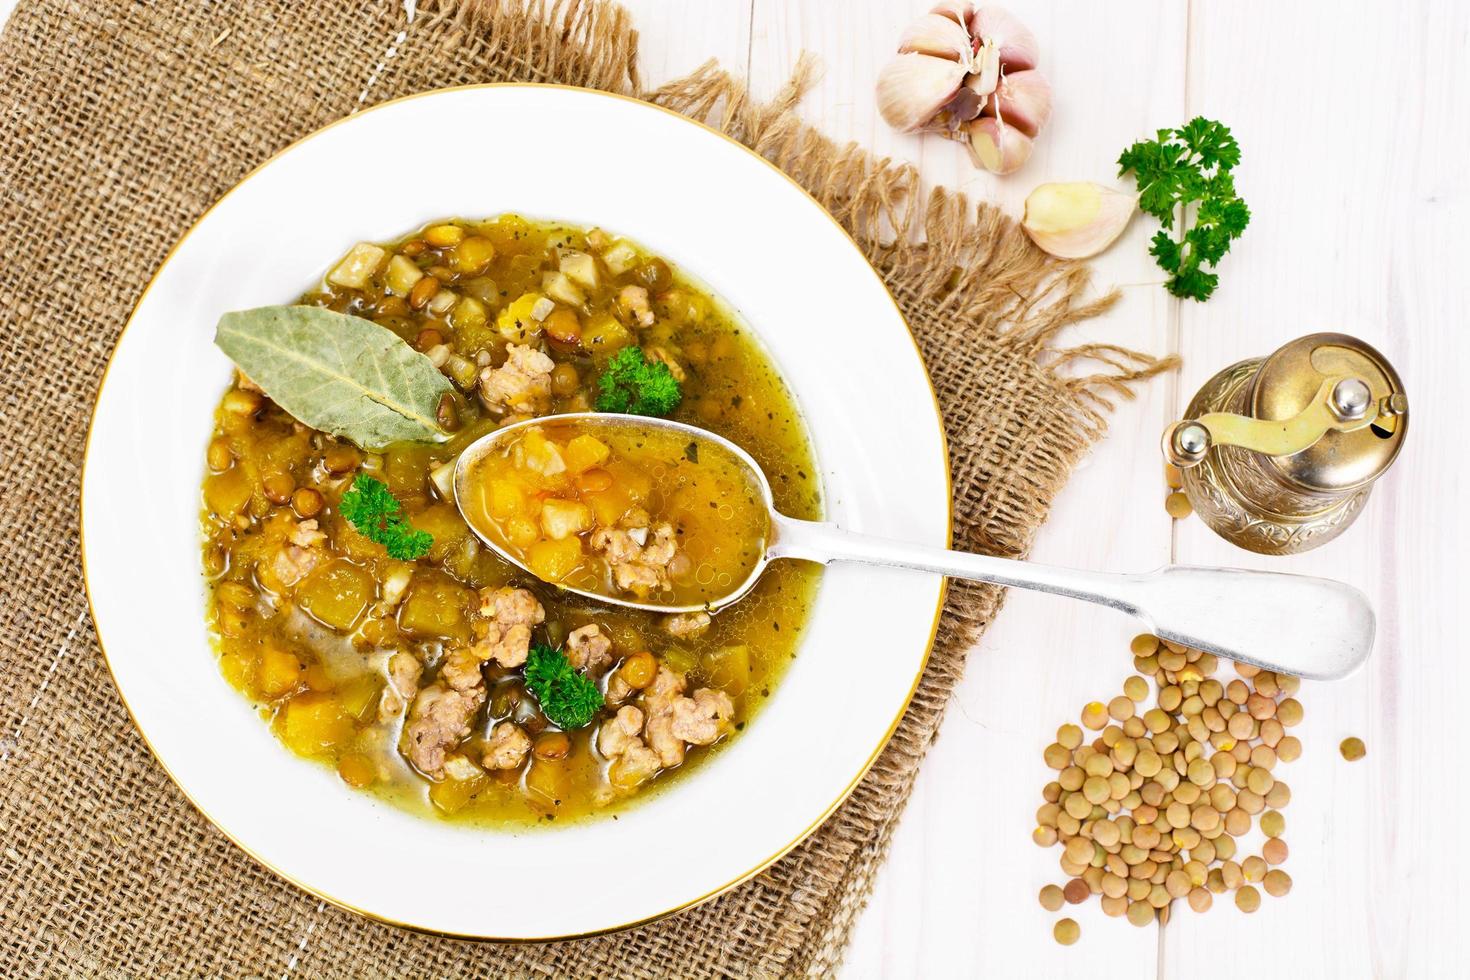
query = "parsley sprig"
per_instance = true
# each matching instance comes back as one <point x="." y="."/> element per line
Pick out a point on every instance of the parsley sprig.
<point x="633" y="384"/>
<point x="569" y="699"/>
<point x="377" y="514"/>
<point x="1180" y="168"/>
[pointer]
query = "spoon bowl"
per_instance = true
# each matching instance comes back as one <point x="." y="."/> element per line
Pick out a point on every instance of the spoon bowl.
<point x="494" y="441"/>
<point x="1311" y="627"/>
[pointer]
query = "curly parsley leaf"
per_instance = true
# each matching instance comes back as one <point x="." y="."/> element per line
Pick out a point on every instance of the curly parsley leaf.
<point x="1183" y="167"/>
<point x="371" y="508"/>
<point x="569" y="699"/>
<point x="634" y="385"/>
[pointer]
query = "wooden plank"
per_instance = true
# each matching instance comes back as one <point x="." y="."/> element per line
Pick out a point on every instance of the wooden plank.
<point x="675" y="38"/>
<point x="1361" y="203"/>
<point x="957" y="895"/>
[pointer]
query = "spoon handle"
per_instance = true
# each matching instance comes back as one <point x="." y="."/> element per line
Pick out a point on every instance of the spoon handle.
<point x="1312" y="627"/>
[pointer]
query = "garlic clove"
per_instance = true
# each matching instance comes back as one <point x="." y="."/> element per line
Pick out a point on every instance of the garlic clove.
<point x="959" y="11"/>
<point x="1022" y="100"/>
<point x="1077" y="220"/>
<point x="937" y="36"/>
<point x="1018" y="47"/>
<point x="999" y="148"/>
<point x="984" y="74"/>
<point x="913" y="87"/>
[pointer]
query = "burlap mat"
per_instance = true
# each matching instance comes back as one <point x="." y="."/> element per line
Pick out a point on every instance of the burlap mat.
<point x="120" y="122"/>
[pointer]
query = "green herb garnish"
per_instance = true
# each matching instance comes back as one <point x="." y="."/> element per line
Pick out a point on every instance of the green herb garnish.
<point x="1180" y="168"/>
<point x="568" y="698"/>
<point x="635" y="385"/>
<point x="378" y="515"/>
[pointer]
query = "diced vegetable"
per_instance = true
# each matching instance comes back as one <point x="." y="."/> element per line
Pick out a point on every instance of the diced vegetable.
<point x="360" y="695"/>
<point x="559" y="286"/>
<point x="584" y="452"/>
<point x="442" y="476"/>
<point x="515" y="323"/>
<point x="402" y="276"/>
<point x="279" y="672"/>
<point x="542" y="455"/>
<point x="444" y="301"/>
<point x="620" y="258"/>
<point x="337" y="594"/>
<point x="356" y="269"/>
<point x="469" y="314"/>
<point x="605" y="333"/>
<point x="227" y="493"/>
<point x="564" y="518"/>
<point x="552" y="561"/>
<point x="313" y="723"/>
<point x="453" y="795"/>
<point x="580" y="267"/>
<point x="435" y="606"/>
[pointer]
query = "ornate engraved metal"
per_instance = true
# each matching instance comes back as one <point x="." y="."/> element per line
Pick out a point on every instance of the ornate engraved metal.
<point x="1243" y="498"/>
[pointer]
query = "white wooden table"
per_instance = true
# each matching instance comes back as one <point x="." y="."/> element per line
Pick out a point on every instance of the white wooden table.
<point x="1354" y="119"/>
<point x="1355" y="123"/>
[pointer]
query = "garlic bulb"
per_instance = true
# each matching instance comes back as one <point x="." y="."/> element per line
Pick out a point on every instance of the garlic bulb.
<point x="958" y="65"/>
<point x="1077" y="220"/>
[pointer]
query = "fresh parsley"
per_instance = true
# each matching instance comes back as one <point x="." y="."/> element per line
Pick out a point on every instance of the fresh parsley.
<point x="568" y="698"/>
<point x="637" y="386"/>
<point x="1180" y="168"/>
<point x="377" y="514"/>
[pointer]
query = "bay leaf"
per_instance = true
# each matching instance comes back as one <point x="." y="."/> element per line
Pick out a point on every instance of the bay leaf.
<point x="338" y="373"/>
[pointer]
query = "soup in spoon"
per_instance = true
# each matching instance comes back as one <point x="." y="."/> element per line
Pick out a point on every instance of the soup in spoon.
<point x="625" y="510"/>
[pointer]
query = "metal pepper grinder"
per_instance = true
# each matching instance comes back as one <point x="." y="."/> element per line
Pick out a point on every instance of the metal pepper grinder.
<point x="1279" y="454"/>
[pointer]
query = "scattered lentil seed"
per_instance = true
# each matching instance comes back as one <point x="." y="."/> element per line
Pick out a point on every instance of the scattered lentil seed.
<point x="1274" y="851"/>
<point x="1076" y="891"/>
<point x="1144" y="645"/>
<point x="1352" y="749"/>
<point x="1277" y="882"/>
<point x="1273" y="824"/>
<point x="1051" y="898"/>
<point x="1095" y="715"/>
<point x="1177" y="506"/>
<point x="1254" y="868"/>
<point x="1066" y="931"/>
<point x="1289" y="711"/>
<point x="1247" y="899"/>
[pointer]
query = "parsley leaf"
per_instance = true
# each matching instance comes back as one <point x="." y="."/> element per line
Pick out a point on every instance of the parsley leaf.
<point x="377" y="514"/>
<point x="1183" y="167"/>
<point x="634" y="385"/>
<point x="569" y="699"/>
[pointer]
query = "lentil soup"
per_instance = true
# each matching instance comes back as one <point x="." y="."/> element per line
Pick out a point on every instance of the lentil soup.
<point x="425" y="679"/>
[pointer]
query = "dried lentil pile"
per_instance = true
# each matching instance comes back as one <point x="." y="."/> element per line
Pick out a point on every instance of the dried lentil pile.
<point x="1150" y="810"/>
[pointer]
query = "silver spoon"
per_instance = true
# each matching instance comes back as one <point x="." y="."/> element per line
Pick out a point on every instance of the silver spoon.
<point x="1312" y="627"/>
